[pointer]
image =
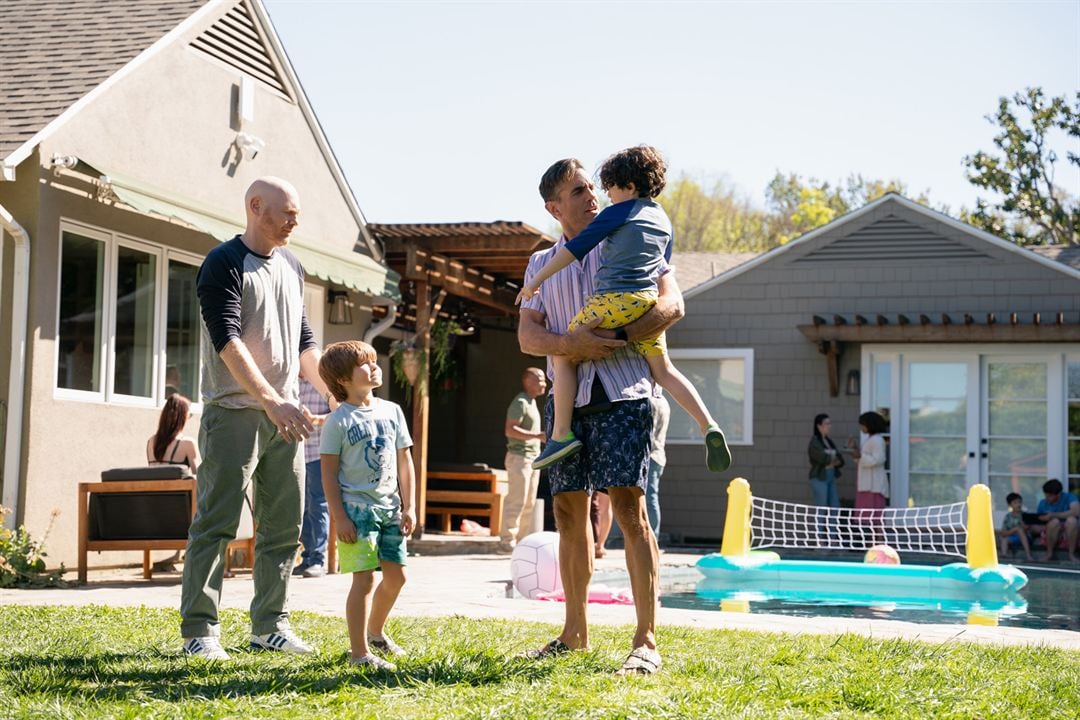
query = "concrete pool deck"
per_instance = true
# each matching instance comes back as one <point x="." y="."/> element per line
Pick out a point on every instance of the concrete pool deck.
<point x="475" y="586"/>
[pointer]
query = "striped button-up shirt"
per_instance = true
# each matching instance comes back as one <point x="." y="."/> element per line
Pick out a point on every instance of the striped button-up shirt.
<point x="624" y="374"/>
<point x="317" y="405"/>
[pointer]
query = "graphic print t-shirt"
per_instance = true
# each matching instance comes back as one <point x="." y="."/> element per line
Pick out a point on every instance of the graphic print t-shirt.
<point x="367" y="440"/>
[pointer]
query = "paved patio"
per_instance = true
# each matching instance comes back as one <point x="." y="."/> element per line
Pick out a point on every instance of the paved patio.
<point x="476" y="586"/>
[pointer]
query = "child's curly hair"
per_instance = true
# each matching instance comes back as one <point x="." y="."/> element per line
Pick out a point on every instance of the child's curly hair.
<point x="642" y="165"/>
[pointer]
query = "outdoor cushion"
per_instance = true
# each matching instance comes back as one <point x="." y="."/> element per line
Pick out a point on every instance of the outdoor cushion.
<point x="147" y="472"/>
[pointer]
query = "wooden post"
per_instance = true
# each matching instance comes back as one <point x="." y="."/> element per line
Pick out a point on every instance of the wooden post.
<point x="420" y="402"/>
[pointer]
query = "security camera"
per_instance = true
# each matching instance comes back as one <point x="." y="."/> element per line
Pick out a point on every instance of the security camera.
<point x="249" y="145"/>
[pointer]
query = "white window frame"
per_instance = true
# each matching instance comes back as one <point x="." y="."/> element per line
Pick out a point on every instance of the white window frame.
<point x="744" y="354"/>
<point x="113" y="241"/>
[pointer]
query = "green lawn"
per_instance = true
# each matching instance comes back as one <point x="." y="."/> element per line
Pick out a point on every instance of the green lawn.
<point x="68" y="662"/>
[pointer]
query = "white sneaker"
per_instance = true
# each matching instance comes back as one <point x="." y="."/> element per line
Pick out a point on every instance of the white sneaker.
<point x="208" y="648"/>
<point x="282" y="640"/>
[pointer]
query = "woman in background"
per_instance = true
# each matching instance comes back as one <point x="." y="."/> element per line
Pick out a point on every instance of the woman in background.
<point x="872" y="487"/>
<point x="825" y="464"/>
<point x="168" y="447"/>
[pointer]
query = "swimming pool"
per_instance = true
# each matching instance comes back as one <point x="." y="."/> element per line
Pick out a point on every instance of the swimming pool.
<point x="1051" y="600"/>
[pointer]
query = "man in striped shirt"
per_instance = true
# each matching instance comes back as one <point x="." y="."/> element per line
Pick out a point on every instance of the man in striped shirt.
<point x="612" y="415"/>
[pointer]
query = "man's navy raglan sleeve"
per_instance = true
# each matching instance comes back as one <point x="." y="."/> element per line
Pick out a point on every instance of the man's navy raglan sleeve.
<point x="220" y="286"/>
<point x="608" y="221"/>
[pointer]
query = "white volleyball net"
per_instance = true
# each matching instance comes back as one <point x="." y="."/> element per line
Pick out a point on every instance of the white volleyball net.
<point x="934" y="529"/>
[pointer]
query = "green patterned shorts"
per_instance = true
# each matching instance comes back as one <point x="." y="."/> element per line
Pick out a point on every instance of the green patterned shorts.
<point x="378" y="537"/>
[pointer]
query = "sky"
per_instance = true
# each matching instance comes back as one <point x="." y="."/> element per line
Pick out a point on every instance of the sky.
<point x="450" y="112"/>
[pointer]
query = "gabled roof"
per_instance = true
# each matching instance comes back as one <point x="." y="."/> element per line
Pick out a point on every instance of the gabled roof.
<point x="57" y="51"/>
<point x="55" y="66"/>
<point x="1056" y="263"/>
<point x="1064" y="254"/>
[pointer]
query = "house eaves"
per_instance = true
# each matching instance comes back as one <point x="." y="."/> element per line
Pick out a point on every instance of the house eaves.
<point x="890" y="198"/>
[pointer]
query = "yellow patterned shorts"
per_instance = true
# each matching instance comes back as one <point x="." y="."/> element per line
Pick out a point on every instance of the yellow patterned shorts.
<point x="618" y="309"/>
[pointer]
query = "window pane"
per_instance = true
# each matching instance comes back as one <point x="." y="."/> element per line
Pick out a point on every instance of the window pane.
<point x="1018" y="418"/>
<point x="938" y="417"/>
<point x="1074" y="380"/>
<point x="1074" y="419"/>
<point x="937" y="455"/>
<point x="883" y="389"/>
<point x="938" y="395"/>
<point x="82" y="267"/>
<point x="135" y="290"/>
<point x="720" y="383"/>
<point x="182" y="332"/>
<point x="1018" y="457"/>
<point x="1022" y="381"/>
<point x="936" y="489"/>
<point x="1074" y="457"/>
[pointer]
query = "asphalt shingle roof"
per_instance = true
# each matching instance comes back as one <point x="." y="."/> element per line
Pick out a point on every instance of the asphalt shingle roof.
<point x="56" y="51"/>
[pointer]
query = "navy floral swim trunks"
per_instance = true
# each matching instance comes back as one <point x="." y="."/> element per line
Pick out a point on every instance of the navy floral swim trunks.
<point x="616" y="449"/>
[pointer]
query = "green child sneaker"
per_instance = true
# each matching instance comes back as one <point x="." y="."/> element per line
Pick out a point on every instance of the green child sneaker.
<point x="717" y="453"/>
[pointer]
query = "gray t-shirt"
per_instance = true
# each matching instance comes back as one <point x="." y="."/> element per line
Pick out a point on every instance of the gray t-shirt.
<point x="526" y="415"/>
<point x="260" y="300"/>
<point x="367" y="439"/>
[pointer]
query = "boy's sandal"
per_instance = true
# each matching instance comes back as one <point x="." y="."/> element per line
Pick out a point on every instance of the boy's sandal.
<point x="373" y="661"/>
<point x="640" y="661"/>
<point x="385" y="645"/>
<point x="553" y="648"/>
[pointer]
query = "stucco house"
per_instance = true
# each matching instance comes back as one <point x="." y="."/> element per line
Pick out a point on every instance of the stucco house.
<point x="968" y="344"/>
<point x="128" y="135"/>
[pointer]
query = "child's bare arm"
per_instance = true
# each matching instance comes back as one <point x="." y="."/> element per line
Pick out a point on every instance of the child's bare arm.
<point x="406" y="484"/>
<point x="560" y="260"/>
<point x="346" y="531"/>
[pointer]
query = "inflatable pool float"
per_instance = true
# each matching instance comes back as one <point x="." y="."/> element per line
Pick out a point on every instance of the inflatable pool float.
<point x="768" y="570"/>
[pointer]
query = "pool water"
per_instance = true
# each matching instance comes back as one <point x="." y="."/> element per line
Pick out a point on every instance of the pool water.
<point x="1050" y="600"/>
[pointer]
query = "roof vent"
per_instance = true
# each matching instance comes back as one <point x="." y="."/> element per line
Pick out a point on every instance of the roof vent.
<point x="236" y="41"/>
<point x="892" y="239"/>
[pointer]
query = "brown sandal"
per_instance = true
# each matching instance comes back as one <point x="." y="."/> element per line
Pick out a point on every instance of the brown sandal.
<point x="640" y="661"/>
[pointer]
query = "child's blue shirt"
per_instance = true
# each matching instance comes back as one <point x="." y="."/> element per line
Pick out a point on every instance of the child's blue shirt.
<point x="638" y="243"/>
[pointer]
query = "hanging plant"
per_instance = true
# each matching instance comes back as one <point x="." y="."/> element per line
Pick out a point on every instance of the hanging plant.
<point x="407" y="362"/>
<point x="408" y="359"/>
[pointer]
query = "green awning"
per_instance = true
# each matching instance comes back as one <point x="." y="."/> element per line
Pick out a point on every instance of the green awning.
<point x="352" y="270"/>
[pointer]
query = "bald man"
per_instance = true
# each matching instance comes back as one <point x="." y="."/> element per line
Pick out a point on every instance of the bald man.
<point x="255" y="340"/>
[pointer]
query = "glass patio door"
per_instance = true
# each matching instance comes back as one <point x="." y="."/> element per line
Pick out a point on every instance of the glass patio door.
<point x="941" y="422"/>
<point x="1013" y="445"/>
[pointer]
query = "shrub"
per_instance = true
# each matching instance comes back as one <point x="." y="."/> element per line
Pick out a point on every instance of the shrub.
<point x="22" y="559"/>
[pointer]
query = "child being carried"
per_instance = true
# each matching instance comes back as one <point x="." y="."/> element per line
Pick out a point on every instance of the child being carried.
<point x="636" y="235"/>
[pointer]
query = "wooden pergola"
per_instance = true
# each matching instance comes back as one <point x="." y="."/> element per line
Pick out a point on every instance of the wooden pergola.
<point x="964" y="328"/>
<point x="482" y="264"/>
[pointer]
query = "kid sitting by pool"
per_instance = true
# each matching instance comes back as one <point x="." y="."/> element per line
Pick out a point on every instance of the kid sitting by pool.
<point x="638" y="242"/>
<point x="367" y="474"/>
<point x="1013" y="530"/>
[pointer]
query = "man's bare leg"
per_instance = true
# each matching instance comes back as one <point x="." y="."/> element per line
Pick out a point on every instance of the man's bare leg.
<point x="642" y="559"/>
<point x="575" y="564"/>
<point x="1072" y="528"/>
<point x="1053" y="532"/>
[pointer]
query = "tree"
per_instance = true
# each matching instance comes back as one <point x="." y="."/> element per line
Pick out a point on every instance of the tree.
<point x="1032" y="209"/>
<point x="714" y="221"/>
<point x="799" y="206"/>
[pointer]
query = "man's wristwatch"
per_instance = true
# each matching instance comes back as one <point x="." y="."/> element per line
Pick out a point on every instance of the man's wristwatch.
<point x="620" y="334"/>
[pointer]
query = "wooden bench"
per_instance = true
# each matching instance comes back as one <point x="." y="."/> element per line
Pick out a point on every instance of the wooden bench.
<point x="173" y="538"/>
<point x="485" y="501"/>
